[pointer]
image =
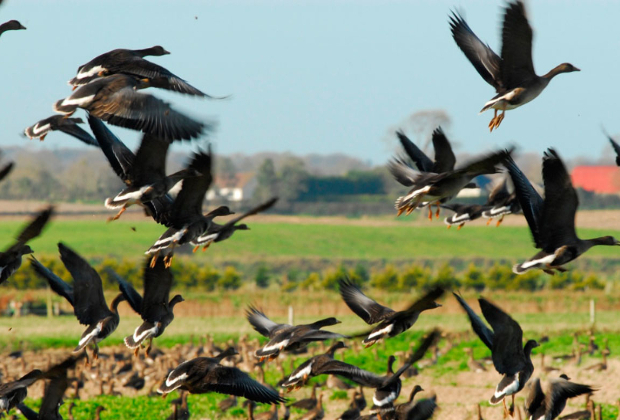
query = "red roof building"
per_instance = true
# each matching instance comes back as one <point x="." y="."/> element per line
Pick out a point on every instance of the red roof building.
<point x="598" y="179"/>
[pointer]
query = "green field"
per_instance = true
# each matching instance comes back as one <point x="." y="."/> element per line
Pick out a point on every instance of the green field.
<point x="441" y="376"/>
<point x="302" y="241"/>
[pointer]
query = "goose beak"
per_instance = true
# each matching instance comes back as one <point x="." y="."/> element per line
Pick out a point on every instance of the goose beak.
<point x="576" y="69"/>
<point x="617" y="242"/>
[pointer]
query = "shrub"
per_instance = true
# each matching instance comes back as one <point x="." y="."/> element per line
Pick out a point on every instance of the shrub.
<point x="413" y="277"/>
<point x="262" y="277"/>
<point x="387" y="279"/>
<point x="230" y="280"/>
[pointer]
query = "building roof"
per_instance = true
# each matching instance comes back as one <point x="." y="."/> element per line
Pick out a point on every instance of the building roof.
<point x="598" y="179"/>
<point x="241" y="179"/>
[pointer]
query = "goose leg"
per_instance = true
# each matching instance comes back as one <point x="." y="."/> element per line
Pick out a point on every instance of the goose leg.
<point x="195" y="248"/>
<point x="492" y="123"/>
<point x="489" y="220"/>
<point x="154" y="259"/>
<point x="96" y="352"/>
<point x="511" y="410"/>
<point x="136" y="351"/>
<point x="148" y="349"/>
<point x="430" y="212"/>
<point x="499" y="222"/>
<point x="400" y="211"/>
<point x="42" y="137"/>
<point x="505" y="408"/>
<point x="118" y="214"/>
<point x="449" y="226"/>
<point x="204" y="248"/>
<point x="460" y="226"/>
<point x="500" y="118"/>
<point x="437" y="210"/>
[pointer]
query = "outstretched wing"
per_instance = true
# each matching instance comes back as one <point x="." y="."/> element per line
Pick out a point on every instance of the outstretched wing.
<point x="507" y="351"/>
<point x="423" y="162"/>
<point x="157" y="284"/>
<point x="479" y="54"/>
<point x="517" y="66"/>
<point x="561" y="201"/>
<point x="444" y="156"/>
<point x="484" y="332"/>
<point x="530" y="201"/>
<point x="89" y="303"/>
<point x="363" y="306"/>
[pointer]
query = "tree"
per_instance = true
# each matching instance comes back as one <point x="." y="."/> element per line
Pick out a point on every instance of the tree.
<point x="227" y="171"/>
<point x="267" y="182"/>
<point x="262" y="277"/>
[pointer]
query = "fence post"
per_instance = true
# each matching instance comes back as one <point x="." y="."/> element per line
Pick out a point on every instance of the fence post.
<point x="592" y="312"/>
<point x="291" y="315"/>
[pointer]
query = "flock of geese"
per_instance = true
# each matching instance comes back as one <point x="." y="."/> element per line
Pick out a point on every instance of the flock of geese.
<point x="109" y="88"/>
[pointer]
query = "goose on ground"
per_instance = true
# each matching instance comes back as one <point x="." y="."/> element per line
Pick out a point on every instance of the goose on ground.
<point x="205" y="374"/>
<point x="54" y="392"/>
<point x="510" y="357"/>
<point x="512" y="75"/>
<point x="391" y="323"/>
<point x="284" y="337"/>
<point x="155" y="307"/>
<point x="86" y="297"/>
<point x="552" y="220"/>
<point x="11" y="258"/>
<point x="116" y="100"/>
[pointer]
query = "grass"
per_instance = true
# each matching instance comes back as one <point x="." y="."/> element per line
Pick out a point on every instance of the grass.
<point x="300" y="241"/>
<point x="451" y="362"/>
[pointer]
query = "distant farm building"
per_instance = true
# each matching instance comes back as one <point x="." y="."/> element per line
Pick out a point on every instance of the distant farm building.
<point x="237" y="188"/>
<point x="597" y="179"/>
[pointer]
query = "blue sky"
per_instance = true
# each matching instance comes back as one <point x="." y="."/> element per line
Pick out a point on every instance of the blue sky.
<point x="323" y="76"/>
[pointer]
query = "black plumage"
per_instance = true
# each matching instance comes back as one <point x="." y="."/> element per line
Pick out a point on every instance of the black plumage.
<point x="60" y="123"/>
<point x="184" y="216"/>
<point x="205" y="374"/>
<point x="284" y="337"/>
<point x="391" y="323"/>
<point x="11" y="25"/>
<point x="502" y="200"/>
<point x="464" y="213"/>
<point x="512" y="75"/>
<point x="116" y="100"/>
<point x="550" y="404"/>
<point x="309" y="369"/>
<point x="155" y="308"/>
<point x="143" y="173"/>
<point x="428" y="187"/>
<point x="13" y="393"/>
<point x="217" y="233"/>
<point x="552" y="220"/>
<point x="11" y="259"/>
<point x="510" y="357"/>
<point x="615" y="146"/>
<point x="444" y="156"/>
<point x="86" y="297"/>
<point x="132" y="63"/>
